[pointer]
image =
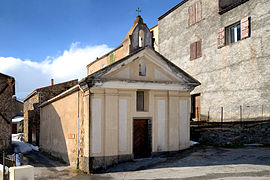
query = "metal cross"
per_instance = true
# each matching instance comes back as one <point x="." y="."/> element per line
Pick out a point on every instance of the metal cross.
<point x="138" y="10"/>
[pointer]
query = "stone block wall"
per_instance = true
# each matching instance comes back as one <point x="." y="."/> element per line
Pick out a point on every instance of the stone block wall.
<point x="7" y="90"/>
<point x="253" y="133"/>
<point x="236" y="74"/>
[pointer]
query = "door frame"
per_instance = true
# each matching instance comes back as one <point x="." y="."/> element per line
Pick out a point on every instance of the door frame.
<point x="193" y="107"/>
<point x="150" y="134"/>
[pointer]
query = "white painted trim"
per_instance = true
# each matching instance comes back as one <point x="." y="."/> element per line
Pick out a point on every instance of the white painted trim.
<point x="117" y="84"/>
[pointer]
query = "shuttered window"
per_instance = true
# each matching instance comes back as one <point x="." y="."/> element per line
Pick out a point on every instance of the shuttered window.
<point x="112" y="58"/>
<point x="245" y="28"/>
<point x="195" y="13"/>
<point x="198" y="11"/>
<point x="221" y="38"/>
<point x="199" y="48"/>
<point x="233" y="33"/>
<point x="196" y="50"/>
<point x="193" y="51"/>
<point x="192" y="15"/>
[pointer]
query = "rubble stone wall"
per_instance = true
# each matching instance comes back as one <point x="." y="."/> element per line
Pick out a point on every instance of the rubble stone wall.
<point x="7" y="88"/>
<point x="236" y="74"/>
<point x="247" y="134"/>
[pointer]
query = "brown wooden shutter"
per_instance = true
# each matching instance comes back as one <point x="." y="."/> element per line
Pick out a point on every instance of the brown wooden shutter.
<point x="221" y="38"/>
<point x="245" y="28"/>
<point x="197" y="107"/>
<point x="193" y="51"/>
<point x="198" y="11"/>
<point x="199" y="49"/>
<point x="192" y="15"/>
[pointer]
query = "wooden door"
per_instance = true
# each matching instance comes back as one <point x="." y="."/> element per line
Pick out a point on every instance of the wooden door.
<point x="197" y="107"/>
<point x="14" y="128"/>
<point x="140" y="138"/>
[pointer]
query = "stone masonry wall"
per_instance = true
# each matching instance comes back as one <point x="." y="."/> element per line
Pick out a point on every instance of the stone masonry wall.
<point x="32" y="110"/>
<point x="248" y="134"/>
<point x="232" y="76"/>
<point x="7" y="88"/>
<point x="29" y="115"/>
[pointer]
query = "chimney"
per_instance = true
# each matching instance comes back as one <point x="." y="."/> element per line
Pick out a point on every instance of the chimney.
<point x="51" y="82"/>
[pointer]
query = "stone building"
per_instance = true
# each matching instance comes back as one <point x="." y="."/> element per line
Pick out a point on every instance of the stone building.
<point x="17" y="116"/>
<point x="32" y="110"/>
<point x="135" y="107"/>
<point x="225" y="44"/>
<point x="7" y="90"/>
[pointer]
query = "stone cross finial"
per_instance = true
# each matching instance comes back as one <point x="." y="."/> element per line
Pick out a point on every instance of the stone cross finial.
<point x="138" y="10"/>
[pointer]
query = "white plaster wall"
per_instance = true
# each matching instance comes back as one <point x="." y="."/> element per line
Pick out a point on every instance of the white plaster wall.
<point x="96" y="125"/>
<point x="122" y="125"/>
<point x="21" y="172"/>
<point x="183" y="124"/>
<point x="162" y="125"/>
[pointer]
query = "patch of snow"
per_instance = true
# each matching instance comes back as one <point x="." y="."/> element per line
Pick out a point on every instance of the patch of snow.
<point x="1" y="168"/>
<point x="20" y="146"/>
<point x="17" y="119"/>
<point x="192" y="143"/>
<point x="34" y="148"/>
<point x="18" y="137"/>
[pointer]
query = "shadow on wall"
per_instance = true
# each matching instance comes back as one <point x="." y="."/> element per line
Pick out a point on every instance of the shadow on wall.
<point x="52" y="137"/>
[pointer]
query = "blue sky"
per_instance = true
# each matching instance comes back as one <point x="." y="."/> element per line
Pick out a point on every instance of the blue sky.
<point x="35" y="34"/>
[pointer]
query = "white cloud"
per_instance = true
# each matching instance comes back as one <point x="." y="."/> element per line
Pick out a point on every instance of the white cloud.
<point x="30" y="75"/>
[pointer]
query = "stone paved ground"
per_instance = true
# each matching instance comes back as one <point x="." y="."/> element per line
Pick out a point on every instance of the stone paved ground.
<point x="202" y="162"/>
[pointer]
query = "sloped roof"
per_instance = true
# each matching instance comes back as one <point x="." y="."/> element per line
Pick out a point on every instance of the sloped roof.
<point x="118" y="47"/>
<point x="172" y="9"/>
<point x="38" y="89"/>
<point x="1" y="74"/>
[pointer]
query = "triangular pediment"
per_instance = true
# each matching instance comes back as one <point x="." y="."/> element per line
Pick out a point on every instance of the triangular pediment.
<point x="131" y="71"/>
<point x="157" y="70"/>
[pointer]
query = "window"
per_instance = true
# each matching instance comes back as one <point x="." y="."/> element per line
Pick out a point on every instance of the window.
<point x="112" y="58"/>
<point x="141" y="38"/>
<point x="195" y="13"/>
<point x="196" y="50"/>
<point x="233" y="33"/>
<point x="140" y="100"/>
<point x="142" y="68"/>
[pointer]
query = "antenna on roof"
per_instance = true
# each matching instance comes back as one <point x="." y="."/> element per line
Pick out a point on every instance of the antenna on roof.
<point x="138" y="10"/>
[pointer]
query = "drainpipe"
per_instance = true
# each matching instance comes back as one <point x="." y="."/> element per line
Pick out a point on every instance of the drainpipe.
<point x="78" y="129"/>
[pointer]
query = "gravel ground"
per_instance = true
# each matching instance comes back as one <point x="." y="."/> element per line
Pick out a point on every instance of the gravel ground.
<point x="195" y="163"/>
